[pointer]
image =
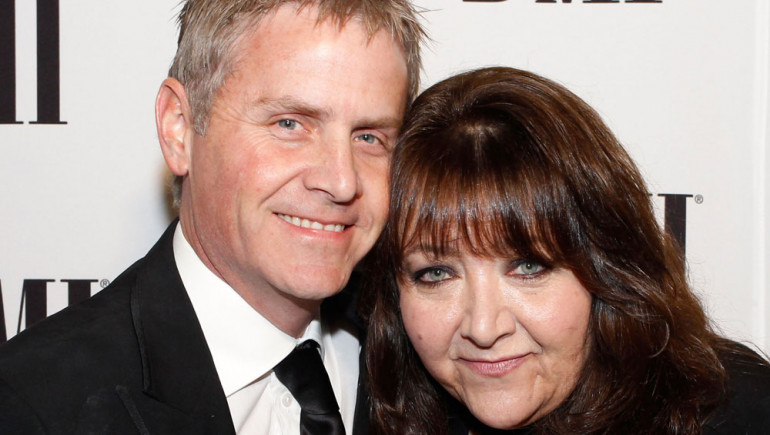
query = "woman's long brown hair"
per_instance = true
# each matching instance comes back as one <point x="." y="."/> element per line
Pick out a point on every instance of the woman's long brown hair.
<point x="510" y="161"/>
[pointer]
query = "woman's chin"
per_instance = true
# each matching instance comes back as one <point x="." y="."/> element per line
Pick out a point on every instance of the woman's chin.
<point x="502" y="420"/>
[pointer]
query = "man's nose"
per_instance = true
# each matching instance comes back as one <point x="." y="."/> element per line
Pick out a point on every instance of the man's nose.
<point x="335" y="172"/>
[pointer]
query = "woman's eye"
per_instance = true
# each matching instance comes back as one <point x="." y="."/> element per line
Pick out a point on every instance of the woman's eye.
<point x="432" y="275"/>
<point x="288" y="124"/>
<point x="528" y="268"/>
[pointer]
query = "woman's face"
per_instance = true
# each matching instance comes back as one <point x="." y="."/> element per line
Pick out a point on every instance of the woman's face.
<point x="505" y="336"/>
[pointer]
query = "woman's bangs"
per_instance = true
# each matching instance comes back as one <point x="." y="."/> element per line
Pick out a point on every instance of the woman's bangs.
<point x="485" y="213"/>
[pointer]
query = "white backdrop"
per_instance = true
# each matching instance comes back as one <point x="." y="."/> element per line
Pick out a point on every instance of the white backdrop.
<point x="683" y="83"/>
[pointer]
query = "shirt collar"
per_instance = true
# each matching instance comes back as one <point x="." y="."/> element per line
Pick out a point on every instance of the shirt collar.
<point x="244" y="345"/>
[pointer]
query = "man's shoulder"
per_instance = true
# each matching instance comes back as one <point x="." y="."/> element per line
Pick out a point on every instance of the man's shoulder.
<point x="77" y="340"/>
<point x="91" y="318"/>
<point x="97" y="327"/>
<point x="102" y="366"/>
<point x="49" y="371"/>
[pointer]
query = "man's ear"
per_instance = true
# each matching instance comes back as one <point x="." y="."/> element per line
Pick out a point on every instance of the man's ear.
<point x="174" y="121"/>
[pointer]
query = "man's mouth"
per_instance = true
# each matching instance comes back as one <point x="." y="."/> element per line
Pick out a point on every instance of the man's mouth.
<point x="313" y="225"/>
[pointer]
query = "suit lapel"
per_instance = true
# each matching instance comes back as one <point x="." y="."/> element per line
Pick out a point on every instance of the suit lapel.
<point x="181" y="387"/>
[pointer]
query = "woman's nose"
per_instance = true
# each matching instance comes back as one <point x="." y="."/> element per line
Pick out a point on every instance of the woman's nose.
<point x="488" y="317"/>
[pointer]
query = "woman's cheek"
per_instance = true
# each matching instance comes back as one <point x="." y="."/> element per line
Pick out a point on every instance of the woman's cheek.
<point x="429" y="325"/>
<point x="413" y="313"/>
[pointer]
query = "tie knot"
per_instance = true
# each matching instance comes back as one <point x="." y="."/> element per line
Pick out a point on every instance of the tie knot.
<point x="304" y="375"/>
<point x="309" y="344"/>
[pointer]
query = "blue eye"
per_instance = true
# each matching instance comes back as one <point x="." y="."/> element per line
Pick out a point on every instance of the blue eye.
<point x="368" y="138"/>
<point x="432" y="275"/>
<point x="288" y="124"/>
<point x="528" y="268"/>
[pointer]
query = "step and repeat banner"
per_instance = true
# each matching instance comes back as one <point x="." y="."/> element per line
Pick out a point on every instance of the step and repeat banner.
<point x="683" y="84"/>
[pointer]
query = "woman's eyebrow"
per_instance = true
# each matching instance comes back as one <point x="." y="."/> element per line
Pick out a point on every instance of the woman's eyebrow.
<point x="429" y="250"/>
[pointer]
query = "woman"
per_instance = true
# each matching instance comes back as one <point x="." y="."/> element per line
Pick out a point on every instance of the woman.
<point x="523" y="272"/>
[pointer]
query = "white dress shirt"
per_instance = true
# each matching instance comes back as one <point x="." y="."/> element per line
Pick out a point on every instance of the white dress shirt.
<point x="245" y="347"/>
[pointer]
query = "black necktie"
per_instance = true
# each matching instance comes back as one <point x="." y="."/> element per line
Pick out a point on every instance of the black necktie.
<point x="303" y="373"/>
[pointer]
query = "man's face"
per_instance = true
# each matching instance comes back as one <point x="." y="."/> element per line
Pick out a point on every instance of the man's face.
<point x="288" y="189"/>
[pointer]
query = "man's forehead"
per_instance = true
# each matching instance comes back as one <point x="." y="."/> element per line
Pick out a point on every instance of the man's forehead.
<point x="286" y="28"/>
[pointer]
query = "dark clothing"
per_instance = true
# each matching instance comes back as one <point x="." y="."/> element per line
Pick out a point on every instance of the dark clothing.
<point x="131" y="359"/>
<point x="744" y="411"/>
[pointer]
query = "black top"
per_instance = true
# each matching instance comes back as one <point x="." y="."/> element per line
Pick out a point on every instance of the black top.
<point x="744" y="411"/>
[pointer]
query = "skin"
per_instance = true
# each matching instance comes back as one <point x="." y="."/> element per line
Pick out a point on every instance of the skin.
<point x="301" y="130"/>
<point x="504" y="336"/>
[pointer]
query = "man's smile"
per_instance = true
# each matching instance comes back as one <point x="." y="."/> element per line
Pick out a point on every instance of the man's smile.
<point x="314" y="225"/>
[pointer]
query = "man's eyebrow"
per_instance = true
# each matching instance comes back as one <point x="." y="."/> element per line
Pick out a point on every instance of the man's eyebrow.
<point x="384" y="122"/>
<point x="289" y="104"/>
<point x="293" y="105"/>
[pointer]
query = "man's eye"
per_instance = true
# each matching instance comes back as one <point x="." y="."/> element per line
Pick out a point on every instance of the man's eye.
<point x="288" y="124"/>
<point x="368" y="138"/>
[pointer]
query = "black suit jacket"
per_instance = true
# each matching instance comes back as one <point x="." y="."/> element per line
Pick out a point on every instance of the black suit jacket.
<point x="131" y="359"/>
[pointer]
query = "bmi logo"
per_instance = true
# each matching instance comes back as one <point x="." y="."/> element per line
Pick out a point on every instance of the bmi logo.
<point x="34" y="300"/>
<point x="48" y="85"/>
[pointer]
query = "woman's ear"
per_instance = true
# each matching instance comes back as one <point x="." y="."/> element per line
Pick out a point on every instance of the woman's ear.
<point x="174" y="121"/>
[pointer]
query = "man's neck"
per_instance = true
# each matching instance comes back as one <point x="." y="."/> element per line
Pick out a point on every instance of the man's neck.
<point x="290" y="315"/>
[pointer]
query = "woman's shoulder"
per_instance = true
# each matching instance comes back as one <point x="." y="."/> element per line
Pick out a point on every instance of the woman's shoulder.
<point x="746" y="407"/>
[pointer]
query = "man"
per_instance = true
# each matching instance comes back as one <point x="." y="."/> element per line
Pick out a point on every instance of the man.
<point x="278" y="119"/>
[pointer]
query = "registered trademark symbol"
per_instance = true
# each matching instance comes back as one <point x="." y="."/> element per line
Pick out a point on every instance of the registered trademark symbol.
<point x="104" y="283"/>
<point x="699" y="199"/>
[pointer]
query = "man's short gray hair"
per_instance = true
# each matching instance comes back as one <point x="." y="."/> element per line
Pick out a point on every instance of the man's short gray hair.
<point x="209" y="31"/>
